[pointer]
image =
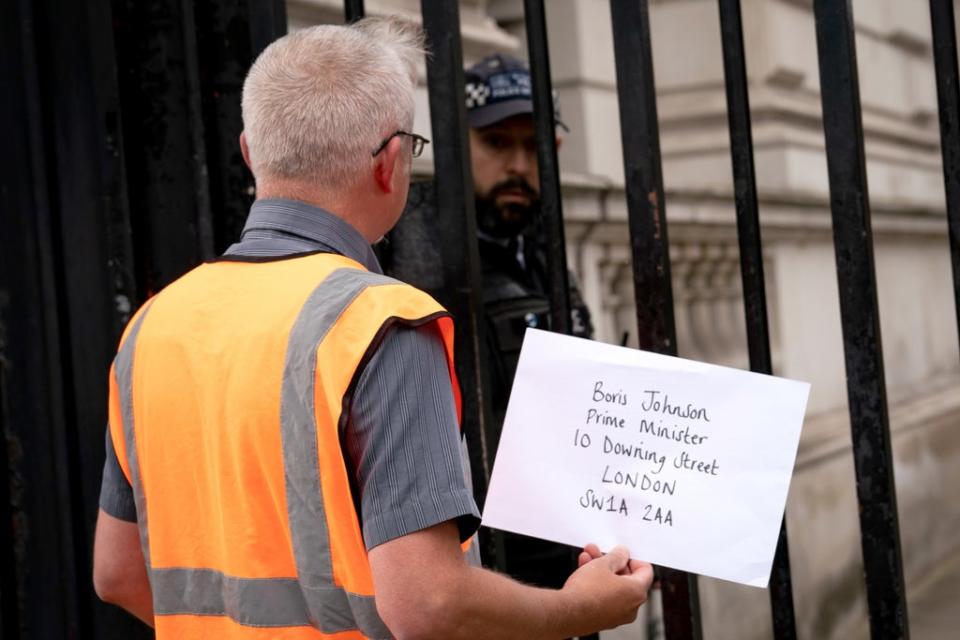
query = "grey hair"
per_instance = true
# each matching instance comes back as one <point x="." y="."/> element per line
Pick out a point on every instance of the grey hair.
<point x="318" y="101"/>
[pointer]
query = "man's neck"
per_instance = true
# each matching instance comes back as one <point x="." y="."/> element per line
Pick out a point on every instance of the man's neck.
<point x="351" y="208"/>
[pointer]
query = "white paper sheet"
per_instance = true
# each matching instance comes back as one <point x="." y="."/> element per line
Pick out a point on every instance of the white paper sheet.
<point x="686" y="463"/>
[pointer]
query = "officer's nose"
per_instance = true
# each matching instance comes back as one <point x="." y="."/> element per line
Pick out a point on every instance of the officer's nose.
<point x="521" y="162"/>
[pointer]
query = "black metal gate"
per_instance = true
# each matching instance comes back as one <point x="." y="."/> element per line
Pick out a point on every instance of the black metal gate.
<point x="120" y="171"/>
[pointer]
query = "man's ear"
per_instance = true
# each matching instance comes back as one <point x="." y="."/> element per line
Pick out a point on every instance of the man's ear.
<point x="559" y="142"/>
<point x="387" y="163"/>
<point x="245" y="150"/>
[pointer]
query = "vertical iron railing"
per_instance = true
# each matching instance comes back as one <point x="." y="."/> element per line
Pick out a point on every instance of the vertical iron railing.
<point x="853" y="241"/>
<point x="164" y="136"/>
<point x="551" y="208"/>
<point x="234" y="32"/>
<point x="751" y="269"/>
<point x="948" y="95"/>
<point x="548" y="168"/>
<point x="89" y="218"/>
<point x="30" y="359"/>
<point x="353" y="10"/>
<point x="457" y="228"/>
<point x="649" y="244"/>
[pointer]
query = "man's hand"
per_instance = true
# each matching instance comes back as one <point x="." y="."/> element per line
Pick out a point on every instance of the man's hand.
<point x="590" y="552"/>
<point x="610" y="588"/>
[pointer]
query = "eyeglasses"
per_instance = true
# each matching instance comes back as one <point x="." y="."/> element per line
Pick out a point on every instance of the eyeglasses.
<point x="418" y="142"/>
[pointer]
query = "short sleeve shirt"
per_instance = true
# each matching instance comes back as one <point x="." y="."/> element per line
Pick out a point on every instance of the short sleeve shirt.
<point x="401" y="441"/>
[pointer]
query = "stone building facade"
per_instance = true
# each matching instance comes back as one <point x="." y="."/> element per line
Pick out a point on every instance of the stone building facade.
<point x="918" y="321"/>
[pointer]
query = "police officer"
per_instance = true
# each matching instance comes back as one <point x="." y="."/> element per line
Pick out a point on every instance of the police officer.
<point x="506" y="181"/>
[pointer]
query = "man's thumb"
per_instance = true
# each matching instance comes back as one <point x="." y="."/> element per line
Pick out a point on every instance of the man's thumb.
<point x="618" y="558"/>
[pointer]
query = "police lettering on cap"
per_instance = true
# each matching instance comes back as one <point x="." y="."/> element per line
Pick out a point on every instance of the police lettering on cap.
<point x="497" y="88"/>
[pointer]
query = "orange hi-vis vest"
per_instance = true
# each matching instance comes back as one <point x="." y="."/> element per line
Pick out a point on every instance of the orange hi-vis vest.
<point x="227" y="399"/>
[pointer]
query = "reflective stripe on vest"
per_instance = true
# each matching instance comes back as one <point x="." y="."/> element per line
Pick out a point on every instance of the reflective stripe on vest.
<point x="312" y="598"/>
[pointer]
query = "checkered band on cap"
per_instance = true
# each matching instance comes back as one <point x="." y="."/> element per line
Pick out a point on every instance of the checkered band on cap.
<point x="499" y="87"/>
<point x="477" y="94"/>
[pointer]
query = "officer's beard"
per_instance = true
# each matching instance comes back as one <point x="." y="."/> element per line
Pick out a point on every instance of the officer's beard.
<point x="510" y="219"/>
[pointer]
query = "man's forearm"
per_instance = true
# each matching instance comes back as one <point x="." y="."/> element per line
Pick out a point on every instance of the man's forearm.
<point x="499" y="607"/>
<point x="425" y="589"/>
<point x="477" y="603"/>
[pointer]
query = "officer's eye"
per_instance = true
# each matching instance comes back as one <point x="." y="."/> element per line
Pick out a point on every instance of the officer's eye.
<point x="496" y="141"/>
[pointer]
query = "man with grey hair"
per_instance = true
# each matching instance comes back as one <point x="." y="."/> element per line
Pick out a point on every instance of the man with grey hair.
<point x="283" y="453"/>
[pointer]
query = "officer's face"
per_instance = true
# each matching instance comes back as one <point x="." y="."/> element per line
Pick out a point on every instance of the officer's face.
<point x="503" y="158"/>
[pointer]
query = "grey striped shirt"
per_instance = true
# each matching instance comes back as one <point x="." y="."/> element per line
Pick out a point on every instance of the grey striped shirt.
<point x="401" y="442"/>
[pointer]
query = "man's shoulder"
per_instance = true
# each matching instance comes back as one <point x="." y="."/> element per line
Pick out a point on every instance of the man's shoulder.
<point x="381" y="296"/>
